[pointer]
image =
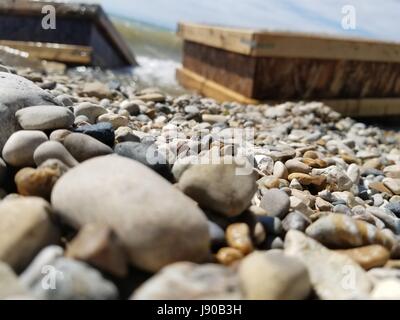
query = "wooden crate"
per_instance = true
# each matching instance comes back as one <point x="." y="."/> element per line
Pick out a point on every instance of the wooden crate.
<point x="251" y="66"/>
<point x="83" y="36"/>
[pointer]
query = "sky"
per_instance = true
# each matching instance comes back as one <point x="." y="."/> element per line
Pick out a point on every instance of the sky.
<point x="374" y="19"/>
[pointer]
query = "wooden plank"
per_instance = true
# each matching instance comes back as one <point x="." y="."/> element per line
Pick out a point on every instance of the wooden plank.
<point x="52" y="51"/>
<point x="288" y="44"/>
<point x="370" y="107"/>
<point x="209" y="88"/>
<point x="90" y="12"/>
<point x="235" y="40"/>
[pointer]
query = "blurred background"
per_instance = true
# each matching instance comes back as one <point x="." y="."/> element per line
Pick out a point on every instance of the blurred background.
<point x="150" y="25"/>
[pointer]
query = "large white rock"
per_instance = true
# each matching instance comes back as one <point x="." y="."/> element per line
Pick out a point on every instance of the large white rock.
<point x="45" y="118"/>
<point x="156" y="223"/>
<point x="16" y="93"/>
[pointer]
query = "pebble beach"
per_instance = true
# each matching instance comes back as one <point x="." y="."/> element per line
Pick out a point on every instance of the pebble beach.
<point x="113" y="192"/>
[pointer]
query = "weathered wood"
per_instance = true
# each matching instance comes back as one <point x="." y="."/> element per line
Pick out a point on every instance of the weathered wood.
<point x="368" y="107"/>
<point x="290" y="44"/>
<point x="77" y="24"/>
<point x="53" y="51"/>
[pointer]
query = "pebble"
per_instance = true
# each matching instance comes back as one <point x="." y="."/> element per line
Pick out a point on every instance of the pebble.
<point x="90" y="110"/>
<point x="221" y="187"/>
<point x="394" y="207"/>
<point x="16" y="93"/>
<point x="156" y="225"/>
<point x="273" y="276"/>
<point x="133" y="107"/>
<point x="341" y="231"/>
<point x="297" y="221"/>
<point x="70" y="279"/>
<point x="10" y="286"/>
<point x="114" y="119"/>
<point x="306" y="179"/>
<point x="228" y="256"/>
<point x="32" y="229"/>
<point x="280" y="170"/>
<point x="146" y="154"/>
<point x="96" y="89"/>
<point x="386" y="290"/>
<point x="272" y="225"/>
<point x="191" y="281"/>
<point x="102" y="131"/>
<point x="96" y="244"/>
<point x="45" y="118"/>
<point x="59" y="135"/>
<point x="214" y="118"/>
<point x="125" y="134"/>
<point x="83" y="147"/>
<point x="392" y="171"/>
<point x="379" y="187"/>
<point x="37" y="182"/>
<point x="393" y="185"/>
<point x="368" y="257"/>
<point x="294" y="165"/>
<point x="276" y="203"/>
<point x="53" y="150"/>
<point x="20" y="147"/>
<point x="238" y="236"/>
<point x="329" y="271"/>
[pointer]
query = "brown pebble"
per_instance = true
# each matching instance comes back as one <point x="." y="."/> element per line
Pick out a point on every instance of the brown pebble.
<point x="36" y="182"/>
<point x="227" y="256"/>
<point x="306" y="179"/>
<point x="238" y="237"/>
<point x="380" y="187"/>
<point x="368" y="257"/>
<point x="97" y="244"/>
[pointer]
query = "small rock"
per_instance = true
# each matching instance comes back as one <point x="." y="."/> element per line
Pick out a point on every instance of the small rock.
<point x="191" y="281"/>
<point x="91" y="111"/>
<point x="341" y="231"/>
<point x="294" y="165"/>
<point x="379" y="187"/>
<point x="53" y="150"/>
<point x="45" y="118"/>
<point x="73" y="280"/>
<point x="59" y="135"/>
<point x="228" y="256"/>
<point x="392" y="171"/>
<point x="274" y="276"/>
<point x="368" y="257"/>
<point x="214" y="118"/>
<point x="83" y="147"/>
<point x="97" y="245"/>
<point x="280" y="170"/>
<point x="25" y="228"/>
<point x="9" y="284"/>
<point x="393" y="185"/>
<point x="386" y="290"/>
<point x="114" y="119"/>
<point x="37" y="182"/>
<point x="125" y="134"/>
<point x="101" y="131"/>
<point x="297" y="221"/>
<point x="238" y="236"/>
<point x="96" y="89"/>
<point x="306" y="179"/>
<point x="19" y="148"/>
<point x="221" y="187"/>
<point x="276" y="203"/>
